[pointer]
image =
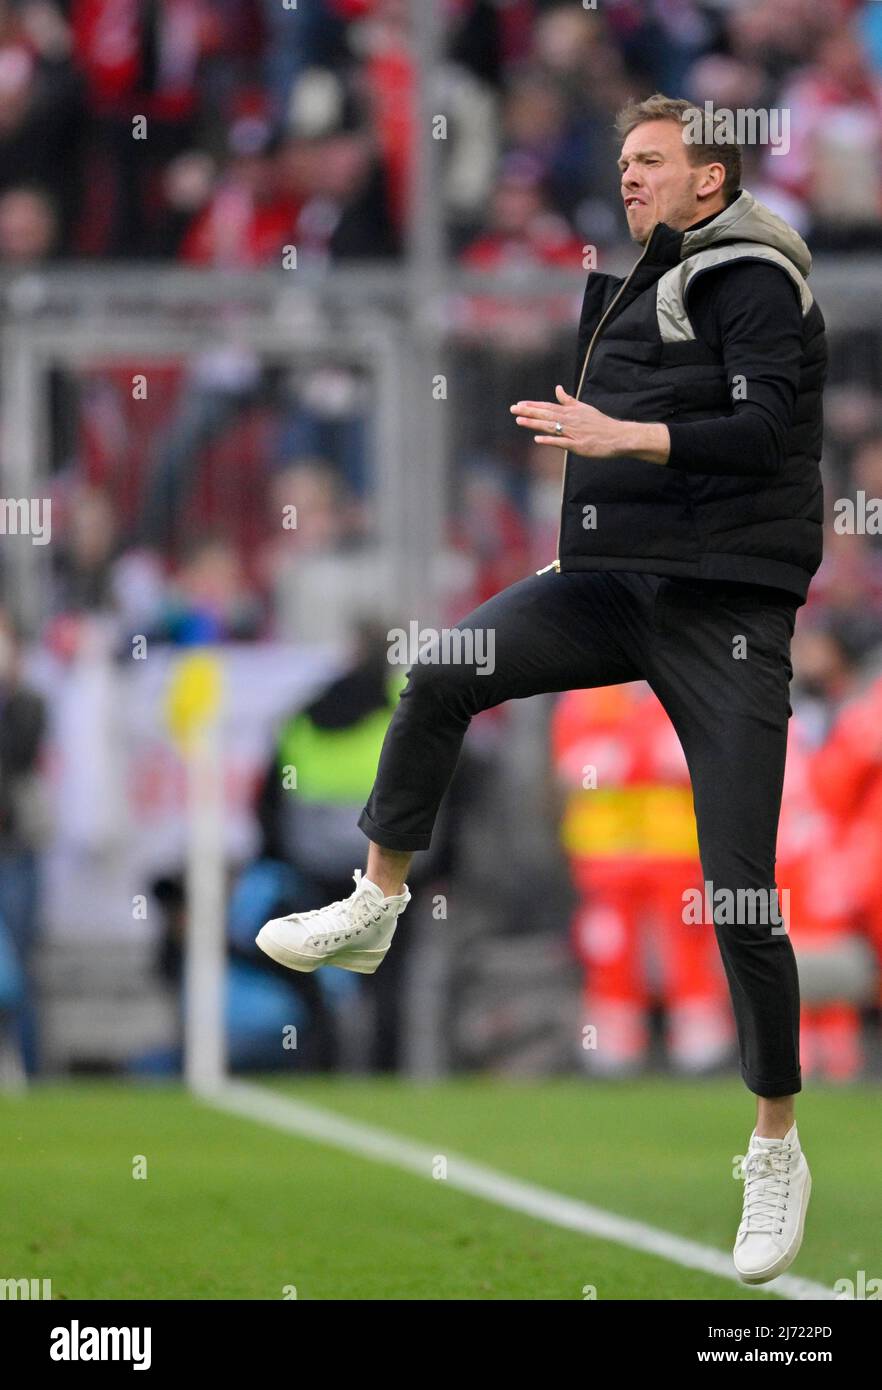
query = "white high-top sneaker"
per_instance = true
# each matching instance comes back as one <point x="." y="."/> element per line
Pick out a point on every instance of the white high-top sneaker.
<point x="354" y="933"/>
<point x="777" y="1185"/>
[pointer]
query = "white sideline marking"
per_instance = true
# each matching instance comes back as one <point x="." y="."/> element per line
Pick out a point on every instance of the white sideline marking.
<point x="312" y="1122"/>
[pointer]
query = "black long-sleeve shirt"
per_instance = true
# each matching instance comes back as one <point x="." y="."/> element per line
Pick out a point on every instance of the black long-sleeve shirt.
<point x="750" y="314"/>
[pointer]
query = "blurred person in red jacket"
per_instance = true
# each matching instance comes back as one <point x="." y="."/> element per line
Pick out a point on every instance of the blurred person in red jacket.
<point x="247" y="218"/>
<point x="847" y="779"/>
<point x="821" y="853"/>
<point x="138" y="61"/>
<point x="628" y="830"/>
<point x="832" y="159"/>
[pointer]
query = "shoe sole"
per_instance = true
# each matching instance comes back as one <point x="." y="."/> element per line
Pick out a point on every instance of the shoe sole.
<point x="786" y="1260"/>
<point x="362" y="962"/>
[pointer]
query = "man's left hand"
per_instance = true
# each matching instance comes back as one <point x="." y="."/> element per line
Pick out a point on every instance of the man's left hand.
<point x="587" y="431"/>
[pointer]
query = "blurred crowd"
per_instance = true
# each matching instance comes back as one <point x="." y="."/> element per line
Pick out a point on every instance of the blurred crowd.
<point x="268" y="126"/>
<point x="215" y="132"/>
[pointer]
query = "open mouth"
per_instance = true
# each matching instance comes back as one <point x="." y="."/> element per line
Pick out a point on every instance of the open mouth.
<point x="634" y="202"/>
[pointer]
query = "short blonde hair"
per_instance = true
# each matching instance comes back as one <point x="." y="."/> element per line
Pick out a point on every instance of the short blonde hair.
<point x="662" y="108"/>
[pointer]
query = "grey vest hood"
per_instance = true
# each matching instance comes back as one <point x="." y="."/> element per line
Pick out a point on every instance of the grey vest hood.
<point x="746" y="229"/>
<point x="747" y="219"/>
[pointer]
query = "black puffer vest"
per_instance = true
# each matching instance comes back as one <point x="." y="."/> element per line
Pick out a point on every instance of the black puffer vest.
<point x="639" y="359"/>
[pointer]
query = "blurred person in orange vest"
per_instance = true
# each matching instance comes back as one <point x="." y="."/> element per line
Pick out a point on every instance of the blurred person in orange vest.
<point x="628" y="829"/>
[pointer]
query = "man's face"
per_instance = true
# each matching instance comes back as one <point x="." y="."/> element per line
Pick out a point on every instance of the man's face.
<point x="660" y="185"/>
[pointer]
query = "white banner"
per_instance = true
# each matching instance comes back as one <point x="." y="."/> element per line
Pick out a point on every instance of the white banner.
<point x="116" y="777"/>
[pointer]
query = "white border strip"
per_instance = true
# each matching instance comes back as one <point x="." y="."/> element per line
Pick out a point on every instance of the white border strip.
<point x="311" y="1122"/>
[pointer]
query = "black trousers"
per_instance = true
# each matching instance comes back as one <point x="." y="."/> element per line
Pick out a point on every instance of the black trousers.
<point x="717" y="655"/>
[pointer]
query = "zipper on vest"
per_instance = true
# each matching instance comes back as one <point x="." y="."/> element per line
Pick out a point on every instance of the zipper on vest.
<point x="603" y="318"/>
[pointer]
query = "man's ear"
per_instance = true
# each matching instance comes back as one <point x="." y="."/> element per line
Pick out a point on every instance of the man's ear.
<point x="712" y="179"/>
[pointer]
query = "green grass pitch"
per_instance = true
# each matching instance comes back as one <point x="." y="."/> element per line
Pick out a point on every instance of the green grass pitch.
<point x="233" y="1209"/>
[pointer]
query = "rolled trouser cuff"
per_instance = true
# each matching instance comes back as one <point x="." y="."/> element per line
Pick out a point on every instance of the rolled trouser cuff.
<point x="770" y="1090"/>
<point x="392" y="839"/>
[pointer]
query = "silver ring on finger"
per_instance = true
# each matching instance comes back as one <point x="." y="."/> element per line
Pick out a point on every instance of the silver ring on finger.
<point x="558" y="427"/>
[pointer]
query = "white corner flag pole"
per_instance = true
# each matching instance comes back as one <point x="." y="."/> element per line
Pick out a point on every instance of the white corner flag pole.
<point x="193" y="708"/>
<point x="205" y="970"/>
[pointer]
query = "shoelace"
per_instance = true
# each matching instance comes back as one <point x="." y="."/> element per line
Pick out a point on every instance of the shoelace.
<point x="766" y="1183"/>
<point x="362" y="909"/>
